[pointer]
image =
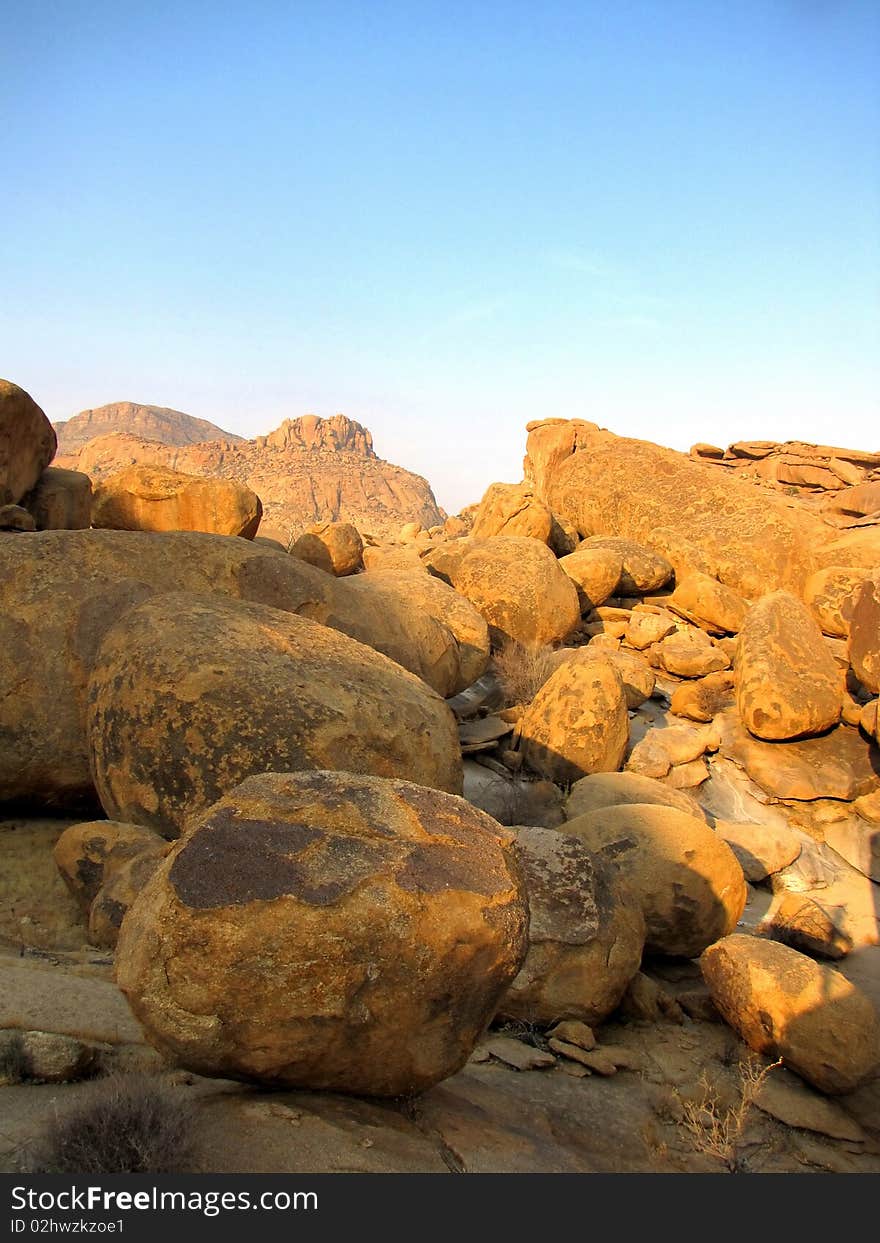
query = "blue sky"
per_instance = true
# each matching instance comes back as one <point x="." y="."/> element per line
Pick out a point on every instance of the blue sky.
<point x="448" y="219"/>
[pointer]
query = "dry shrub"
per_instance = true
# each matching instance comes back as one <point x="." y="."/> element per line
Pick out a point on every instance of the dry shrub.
<point x="523" y="669"/>
<point x="15" y="1066"/>
<point x="717" y="1131"/>
<point x="125" y="1124"/>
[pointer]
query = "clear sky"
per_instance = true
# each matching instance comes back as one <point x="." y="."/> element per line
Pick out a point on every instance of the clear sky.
<point x="447" y="219"/>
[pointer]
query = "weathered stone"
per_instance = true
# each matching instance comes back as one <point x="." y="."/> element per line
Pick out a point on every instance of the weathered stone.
<point x="643" y="569"/>
<point x="120" y="888"/>
<point x="515" y="583"/>
<point x="753" y="541"/>
<point x="335" y="547"/>
<point x="87" y="854"/>
<point x="61" y="590"/>
<point x="710" y="603"/>
<point x="645" y="629"/>
<point x="788" y="685"/>
<point x="156" y="498"/>
<point x="636" y="675"/>
<point x="61" y="500"/>
<point x="703" y="699"/>
<point x="586" y="933"/>
<point x="688" y="881"/>
<point x="512" y="509"/>
<point x="16" y="518"/>
<point x="602" y="790"/>
<point x="785" y="1005"/>
<point x="595" y="572"/>
<point x="690" y="654"/>
<point x="27" y="442"/>
<point x="840" y="764"/>
<point x="577" y="723"/>
<point x="573" y="1031"/>
<point x="864" y="635"/>
<point x="189" y="695"/>
<point x="786" y="1098"/>
<point x="830" y="594"/>
<point x="517" y="1054"/>
<point x="329" y="931"/>
<point x="798" y="921"/>
<point x="377" y="610"/>
<point x="661" y="749"/>
<point x="412" y="593"/>
<point x="761" y="849"/>
<point x="48" y="1057"/>
<point x="857" y="841"/>
<point x="683" y="555"/>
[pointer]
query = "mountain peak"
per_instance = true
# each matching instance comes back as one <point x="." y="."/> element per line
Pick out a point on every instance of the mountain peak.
<point x="338" y="434"/>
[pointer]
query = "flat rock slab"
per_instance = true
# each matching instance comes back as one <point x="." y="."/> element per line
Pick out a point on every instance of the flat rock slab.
<point x="840" y="764"/>
<point x="519" y="1055"/>
<point x="42" y="999"/>
<point x="486" y="730"/>
<point x="787" y="1098"/>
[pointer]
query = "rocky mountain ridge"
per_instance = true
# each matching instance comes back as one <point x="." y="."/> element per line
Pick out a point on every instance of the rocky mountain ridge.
<point x="307" y="470"/>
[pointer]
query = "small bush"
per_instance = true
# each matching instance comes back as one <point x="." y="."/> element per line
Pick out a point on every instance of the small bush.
<point x="15" y="1066"/>
<point x="127" y="1124"/>
<point x="718" y="1132"/>
<point x="523" y="669"/>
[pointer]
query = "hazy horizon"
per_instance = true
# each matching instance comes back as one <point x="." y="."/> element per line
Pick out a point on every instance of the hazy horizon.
<point x="445" y="222"/>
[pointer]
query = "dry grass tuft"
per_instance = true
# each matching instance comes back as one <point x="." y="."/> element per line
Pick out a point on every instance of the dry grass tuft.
<point x="523" y="669"/>
<point x="126" y="1124"/>
<point x="716" y="1131"/>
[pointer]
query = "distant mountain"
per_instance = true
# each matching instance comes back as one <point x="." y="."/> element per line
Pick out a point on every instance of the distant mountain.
<point x="169" y="427"/>
<point x="308" y="470"/>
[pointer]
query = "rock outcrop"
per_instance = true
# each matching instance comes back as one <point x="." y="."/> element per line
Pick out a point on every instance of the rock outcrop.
<point x="154" y="423"/>
<point x="586" y="933"/>
<point x="512" y="509"/>
<point x="577" y="723"/>
<point x="61" y="590"/>
<point x="309" y="470"/>
<point x="788" y="683"/>
<point x="515" y="583"/>
<point x="27" y="443"/>
<point x="608" y="485"/>
<point x="190" y="695"/>
<point x="688" y="881"/>
<point x="154" y="498"/>
<point x="330" y="931"/>
<point x="785" y="1005"/>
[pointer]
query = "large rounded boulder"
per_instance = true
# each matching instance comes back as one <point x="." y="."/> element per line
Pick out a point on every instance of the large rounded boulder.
<point x="864" y="637"/>
<point x="783" y="1004"/>
<point x="601" y="790"/>
<point x="512" y="509"/>
<point x="324" y="930"/>
<point x="156" y="498"/>
<point x="27" y="442"/>
<point x="578" y="721"/>
<point x="59" y="593"/>
<point x="586" y="933"/>
<point x="515" y="583"/>
<point x="334" y="547"/>
<point x="690" y="885"/>
<point x="189" y="695"/>
<point x="417" y="591"/>
<point x="788" y="684"/>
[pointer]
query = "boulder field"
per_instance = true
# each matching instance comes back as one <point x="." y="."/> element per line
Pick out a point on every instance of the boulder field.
<point x="579" y="787"/>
